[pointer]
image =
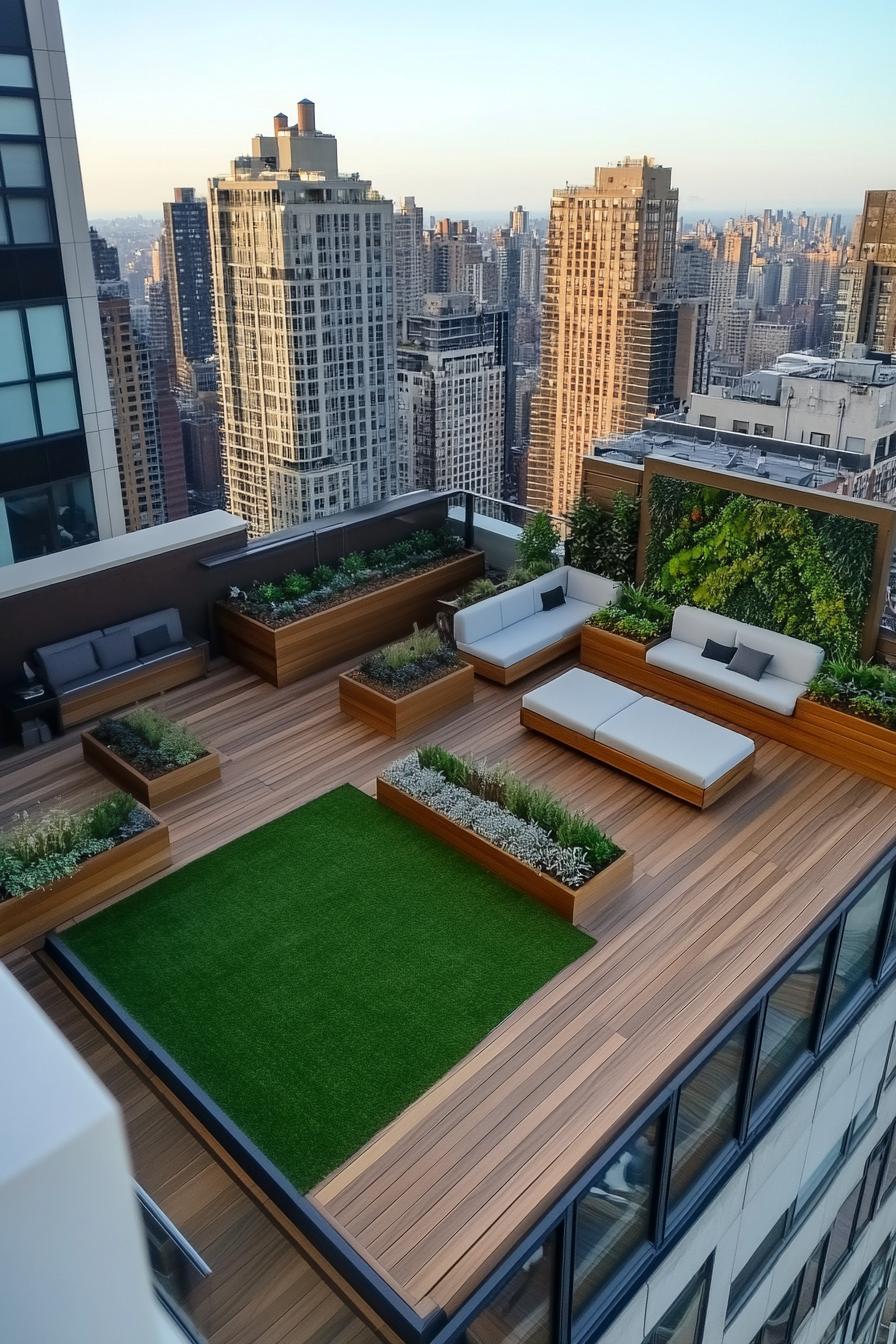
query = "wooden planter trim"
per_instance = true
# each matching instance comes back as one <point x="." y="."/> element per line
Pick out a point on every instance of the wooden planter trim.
<point x="397" y="718"/>
<point x="315" y="642"/>
<point x="26" y="918"/>
<point x="820" y="730"/>
<point x="572" y="903"/>
<point x="151" y="792"/>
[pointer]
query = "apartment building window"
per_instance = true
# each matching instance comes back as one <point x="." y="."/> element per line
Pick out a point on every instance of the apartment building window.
<point x="789" y="1020"/>
<point x="740" y="426"/>
<point x="840" y="1236"/>
<point x="25" y="216"/>
<point x="763" y="431"/>
<point x="856" y="951"/>
<point x="707" y="1116"/>
<point x="818" y="440"/>
<point x="683" y="1322"/>
<point x="36" y="399"/>
<point x="755" y="1268"/>
<point x="707" y="421"/>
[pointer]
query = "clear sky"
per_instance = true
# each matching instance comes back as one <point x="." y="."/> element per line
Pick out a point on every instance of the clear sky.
<point x="473" y="107"/>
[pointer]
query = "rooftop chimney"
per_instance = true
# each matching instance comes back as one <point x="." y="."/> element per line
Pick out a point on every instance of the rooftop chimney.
<point x="305" y="117"/>
<point x="281" y="122"/>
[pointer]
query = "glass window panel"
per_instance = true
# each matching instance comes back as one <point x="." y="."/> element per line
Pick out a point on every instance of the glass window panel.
<point x="753" y="1270"/>
<point x="521" y="1312"/>
<point x="683" y="1322"/>
<point x="75" y="512"/>
<point x="778" y="1323"/>
<point x="841" y="1234"/>
<point x="18" y="116"/>
<point x="15" y="71"/>
<point x="856" y="955"/>
<point x="819" y="1177"/>
<point x="30" y="219"/>
<point x="23" y="165"/>
<point x="890" y="1066"/>
<point x="788" y="1021"/>
<point x="4" y="231"/>
<point x="13" y="365"/>
<point x="613" y="1216"/>
<point x="58" y="408"/>
<point x="30" y="523"/>
<point x="808" y="1289"/>
<point x="707" y="1115"/>
<point x="49" y="339"/>
<point x="869" y="1189"/>
<point x="16" y="413"/>
<point x="889" y="1179"/>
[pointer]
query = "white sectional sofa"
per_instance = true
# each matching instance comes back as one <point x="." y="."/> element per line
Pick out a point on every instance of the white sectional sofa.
<point x="793" y="665"/>
<point x="507" y="636"/>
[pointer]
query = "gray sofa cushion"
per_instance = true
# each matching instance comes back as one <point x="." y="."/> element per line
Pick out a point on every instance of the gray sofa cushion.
<point x="169" y="617"/>
<point x="181" y="646"/>
<point x="151" y="641"/>
<point x="65" y="665"/>
<point x="114" y="650"/>
<point x="98" y="677"/>
<point x="61" y="645"/>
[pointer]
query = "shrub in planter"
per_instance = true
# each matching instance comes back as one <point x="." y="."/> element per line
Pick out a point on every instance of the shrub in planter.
<point x="605" y="541"/>
<point x="538" y="543"/>
<point x="637" y="614"/>
<point x="865" y="689"/>
<point x="410" y="662"/>
<point x="150" y="742"/>
<point x="39" y="848"/>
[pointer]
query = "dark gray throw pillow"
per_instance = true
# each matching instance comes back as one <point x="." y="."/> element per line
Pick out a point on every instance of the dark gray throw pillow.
<point x="719" y="653"/>
<point x="554" y="597"/>
<point x="68" y="664"/>
<point x="749" y="662"/>
<point x="152" y="641"/>
<point x="114" y="650"/>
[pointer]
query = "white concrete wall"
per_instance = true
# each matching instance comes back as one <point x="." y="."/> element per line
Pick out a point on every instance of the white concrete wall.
<point x="765" y="1185"/>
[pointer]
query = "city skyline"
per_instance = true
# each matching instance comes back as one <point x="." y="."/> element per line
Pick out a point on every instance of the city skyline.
<point x="496" y="128"/>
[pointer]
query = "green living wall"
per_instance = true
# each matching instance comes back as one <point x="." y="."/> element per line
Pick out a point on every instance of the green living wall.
<point x="798" y="571"/>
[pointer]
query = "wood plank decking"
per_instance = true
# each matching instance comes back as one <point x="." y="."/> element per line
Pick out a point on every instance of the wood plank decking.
<point x="719" y="897"/>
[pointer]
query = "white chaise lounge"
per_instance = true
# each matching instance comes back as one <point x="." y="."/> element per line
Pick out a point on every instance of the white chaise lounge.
<point x="692" y="758"/>
<point x="794" y="662"/>
<point x="507" y="636"/>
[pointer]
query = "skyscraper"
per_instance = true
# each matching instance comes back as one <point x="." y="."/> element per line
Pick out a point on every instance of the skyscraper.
<point x="452" y="378"/>
<point x="608" y="333"/>
<point x="305" y="323"/>
<point x="188" y="276"/>
<point x="58" y="468"/>
<point x="132" y="385"/>
<point x="408" y="232"/>
<point x="106" y="267"/>
<point x="865" y="309"/>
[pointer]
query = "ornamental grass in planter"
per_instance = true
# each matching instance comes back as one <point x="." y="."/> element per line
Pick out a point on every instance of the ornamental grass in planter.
<point x="636" y="614"/>
<point x="405" y="684"/>
<point x="154" y="757"/>
<point x="867" y="690"/>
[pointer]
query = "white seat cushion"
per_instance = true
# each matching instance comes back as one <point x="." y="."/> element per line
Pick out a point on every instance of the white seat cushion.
<point x="774" y="693"/>
<point x="792" y="659"/>
<point x="523" y="638"/>
<point x="693" y="625"/>
<point x="591" y="588"/>
<point x="579" y="700"/>
<point x="690" y="748"/>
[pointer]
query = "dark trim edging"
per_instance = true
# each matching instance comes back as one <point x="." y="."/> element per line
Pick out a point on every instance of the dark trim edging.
<point x="339" y="1253"/>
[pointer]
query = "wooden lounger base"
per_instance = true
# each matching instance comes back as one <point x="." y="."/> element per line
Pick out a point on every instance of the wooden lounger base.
<point x="630" y="765"/>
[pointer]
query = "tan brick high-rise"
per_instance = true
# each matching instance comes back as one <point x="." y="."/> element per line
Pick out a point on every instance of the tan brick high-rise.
<point x="609" y="327"/>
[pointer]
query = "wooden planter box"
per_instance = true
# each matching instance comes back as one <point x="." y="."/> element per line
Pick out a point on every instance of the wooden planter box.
<point x="152" y="792"/>
<point x="605" y="651"/>
<point x="315" y="642"/>
<point x="572" y="903"/>
<point x="96" y="880"/>
<point x="865" y="747"/>
<point x="397" y="718"/>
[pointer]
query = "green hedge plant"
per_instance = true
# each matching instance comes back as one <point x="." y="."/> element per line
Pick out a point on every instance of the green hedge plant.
<point x="865" y="689"/>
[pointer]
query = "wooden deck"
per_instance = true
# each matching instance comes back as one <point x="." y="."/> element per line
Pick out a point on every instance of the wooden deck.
<point x="719" y="897"/>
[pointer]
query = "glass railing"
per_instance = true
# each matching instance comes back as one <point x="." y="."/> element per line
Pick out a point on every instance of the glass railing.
<point x="177" y="1269"/>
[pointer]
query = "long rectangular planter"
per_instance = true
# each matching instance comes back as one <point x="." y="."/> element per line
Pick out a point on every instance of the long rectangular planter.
<point x="832" y="735"/>
<point x="573" y="903"/>
<point x="152" y="792"/>
<point x="312" y="643"/>
<point x="94" y="881"/>
<point x="398" y="717"/>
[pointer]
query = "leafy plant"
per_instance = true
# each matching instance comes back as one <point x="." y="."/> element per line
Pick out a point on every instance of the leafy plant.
<point x="605" y="541"/>
<point x="409" y="662"/>
<point x="637" y="613"/>
<point x="149" y="741"/>
<point x="866" y="689"/>
<point x="538" y="542"/>
<point x="477" y="591"/>
<point x="42" y="847"/>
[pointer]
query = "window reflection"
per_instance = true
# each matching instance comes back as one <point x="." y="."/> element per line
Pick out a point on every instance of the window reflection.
<point x="786" y="1035"/>
<point x="683" y="1322"/>
<point x="707" y="1115"/>
<point x="856" y="956"/>
<point x="521" y="1313"/>
<point x="47" y="518"/>
<point x="613" y="1216"/>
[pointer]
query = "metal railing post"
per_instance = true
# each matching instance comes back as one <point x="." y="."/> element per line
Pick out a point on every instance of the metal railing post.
<point x="468" y="520"/>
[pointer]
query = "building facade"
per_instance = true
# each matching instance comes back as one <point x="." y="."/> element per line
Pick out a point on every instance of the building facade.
<point x="131" y="373"/>
<point x="409" y="265"/>
<point x="302" y="266"/>
<point x="865" y="308"/>
<point x="58" y="468"/>
<point x="607" y="344"/>
<point x="189" y="283"/>
<point x="452" y="381"/>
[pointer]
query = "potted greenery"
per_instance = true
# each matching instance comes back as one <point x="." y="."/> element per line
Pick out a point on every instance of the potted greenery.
<point x="605" y="541"/>
<point x="284" y="631"/>
<point x="405" y="684"/>
<point x="154" y="758"/>
<point x="56" y="863"/>
<point x="522" y="833"/>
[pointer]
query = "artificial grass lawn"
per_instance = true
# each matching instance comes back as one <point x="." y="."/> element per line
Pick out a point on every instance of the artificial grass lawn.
<point x="319" y="973"/>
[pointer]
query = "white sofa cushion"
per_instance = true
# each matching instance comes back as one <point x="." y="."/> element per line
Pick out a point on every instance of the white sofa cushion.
<point x="517" y="605"/>
<point x="591" y="588"/>
<point x="693" y="625"/>
<point x="775" y="693"/>
<point x="478" y="622"/>
<point x="579" y="700"/>
<point x="683" y="745"/>
<point x="523" y="638"/>
<point x="555" y="578"/>
<point x="792" y="659"/>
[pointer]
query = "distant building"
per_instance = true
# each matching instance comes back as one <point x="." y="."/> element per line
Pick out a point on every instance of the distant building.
<point x="693" y="266"/>
<point x="306" y="333"/>
<point x="189" y="283"/>
<point x="728" y="274"/>
<point x="865" y="310"/>
<point x="767" y="340"/>
<point x="131" y="374"/>
<point x="409" y="265"/>
<point x="519" y="220"/>
<point x="106" y="268"/>
<point x="452" y="375"/>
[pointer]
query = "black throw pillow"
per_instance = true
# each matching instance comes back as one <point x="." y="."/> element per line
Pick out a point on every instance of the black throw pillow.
<point x="719" y="653"/>
<point x="749" y="662"/>
<point x="554" y="597"/>
<point x="152" y="641"/>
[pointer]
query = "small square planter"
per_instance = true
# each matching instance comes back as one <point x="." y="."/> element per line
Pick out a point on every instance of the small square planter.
<point x="396" y="717"/>
<point x="151" y="792"/>
<point x="26" y="918"/>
